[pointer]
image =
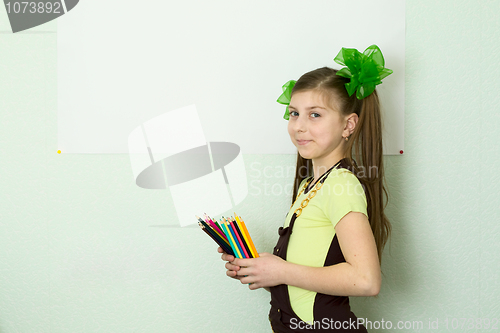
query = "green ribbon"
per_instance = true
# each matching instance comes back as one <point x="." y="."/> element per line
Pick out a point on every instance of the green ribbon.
<point x="366" y="70"/>
<point x="286" y="96"/>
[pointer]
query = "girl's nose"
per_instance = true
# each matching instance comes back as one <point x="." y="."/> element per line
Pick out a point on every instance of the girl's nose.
<point x="299" y="124"/>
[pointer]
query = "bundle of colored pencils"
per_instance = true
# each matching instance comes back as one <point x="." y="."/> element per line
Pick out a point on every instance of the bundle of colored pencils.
<point x="231" y="234"/>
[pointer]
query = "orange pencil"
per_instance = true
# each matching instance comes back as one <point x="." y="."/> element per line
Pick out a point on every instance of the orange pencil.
<point x="252" y="246"/>
<point x="246" y="236"/>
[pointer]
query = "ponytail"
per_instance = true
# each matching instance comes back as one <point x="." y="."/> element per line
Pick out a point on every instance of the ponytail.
<point x="366" y="142"/>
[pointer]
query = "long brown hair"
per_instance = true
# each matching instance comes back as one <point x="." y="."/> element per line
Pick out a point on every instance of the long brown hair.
<point x="365" y="142"/>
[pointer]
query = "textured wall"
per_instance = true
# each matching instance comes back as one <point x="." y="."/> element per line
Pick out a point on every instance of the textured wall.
<point x="78" y="253"/>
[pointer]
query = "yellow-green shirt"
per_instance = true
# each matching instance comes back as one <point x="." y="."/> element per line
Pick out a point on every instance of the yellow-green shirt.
<point x="313" y="230"/>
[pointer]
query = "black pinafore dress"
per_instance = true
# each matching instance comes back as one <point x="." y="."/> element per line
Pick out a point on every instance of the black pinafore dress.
<point x="331" y="313"/>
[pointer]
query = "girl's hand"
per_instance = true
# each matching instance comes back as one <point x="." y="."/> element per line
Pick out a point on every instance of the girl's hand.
<point x="231" y="269"/>
<point x="266" y="271"/>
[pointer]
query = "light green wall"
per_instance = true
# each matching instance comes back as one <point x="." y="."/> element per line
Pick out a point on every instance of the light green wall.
<point x="78" y="253"/>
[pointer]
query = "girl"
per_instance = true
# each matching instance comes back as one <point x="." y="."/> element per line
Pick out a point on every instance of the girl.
<point x="331" y="243"/>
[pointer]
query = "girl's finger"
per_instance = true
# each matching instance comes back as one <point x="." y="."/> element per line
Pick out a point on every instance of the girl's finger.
<point x="227" y="257"/>
<point x="232" y="274"/>
<point x="252" y="286"/>
<point x="231" y="267"/>
<point x="247" y="280"/>
<point x="244" y="271"/>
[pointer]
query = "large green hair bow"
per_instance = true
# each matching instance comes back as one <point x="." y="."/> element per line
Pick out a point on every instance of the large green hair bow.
<point x="366" y="70"/>
<point x="286" y="96"/>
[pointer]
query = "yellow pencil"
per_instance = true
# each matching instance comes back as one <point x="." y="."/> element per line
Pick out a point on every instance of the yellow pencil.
<point x="245" y="234"/>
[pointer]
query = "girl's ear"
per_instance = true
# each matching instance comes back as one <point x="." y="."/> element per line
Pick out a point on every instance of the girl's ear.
<point x="351" y="122"/>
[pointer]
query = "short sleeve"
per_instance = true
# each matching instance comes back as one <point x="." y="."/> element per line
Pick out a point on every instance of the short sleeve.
<point x="342" y="193"/>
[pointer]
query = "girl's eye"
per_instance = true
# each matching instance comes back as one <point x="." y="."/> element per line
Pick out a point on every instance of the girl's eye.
<point x="315" y="115"/>
<point x="294" y="113"/>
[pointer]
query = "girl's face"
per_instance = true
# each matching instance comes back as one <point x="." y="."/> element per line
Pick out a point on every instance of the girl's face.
<point x="316" y="128"/>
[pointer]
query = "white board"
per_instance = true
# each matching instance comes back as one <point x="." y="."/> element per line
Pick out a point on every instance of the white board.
<point x="123" y="62"/>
